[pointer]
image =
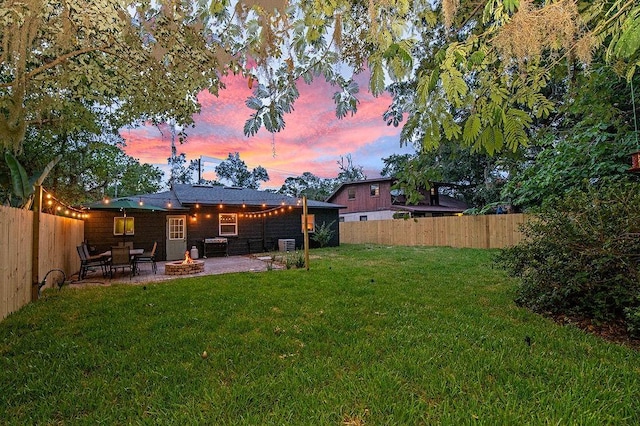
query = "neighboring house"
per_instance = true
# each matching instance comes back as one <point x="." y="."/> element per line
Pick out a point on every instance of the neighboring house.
<point x="217" y="220"/>
<point x="373" y="199"/>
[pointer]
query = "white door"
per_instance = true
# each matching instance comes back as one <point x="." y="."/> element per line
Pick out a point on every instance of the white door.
<point x="176" y="237"/>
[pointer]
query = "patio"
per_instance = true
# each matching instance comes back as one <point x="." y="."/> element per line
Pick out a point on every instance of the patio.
<point x="212" y="266"/>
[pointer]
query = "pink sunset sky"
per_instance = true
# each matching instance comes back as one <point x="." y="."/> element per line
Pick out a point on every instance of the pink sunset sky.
<point x="312" y="141"/>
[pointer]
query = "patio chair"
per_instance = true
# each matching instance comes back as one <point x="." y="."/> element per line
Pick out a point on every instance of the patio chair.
<point x="149" y="257"/>
<point x="121" y="259"/>
<point x="88" y="263"/>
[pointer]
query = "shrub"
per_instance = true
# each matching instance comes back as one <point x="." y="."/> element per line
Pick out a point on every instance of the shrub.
<point x="323" y="234"/>
<point x="294" y="258"/>
<point x="633" y="321"/>
<point x="580" y="256"/>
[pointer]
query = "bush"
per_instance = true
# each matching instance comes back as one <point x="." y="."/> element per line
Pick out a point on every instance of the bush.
<point x="295" y="258"/>
<point x="633" y="321"/>
<point x="580" y="256"/>
<point x="323" y="234"/>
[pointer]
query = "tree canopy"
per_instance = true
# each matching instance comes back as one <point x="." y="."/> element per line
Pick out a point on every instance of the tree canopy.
<point x="235" y="170"/>
<point x="471" y="72"/>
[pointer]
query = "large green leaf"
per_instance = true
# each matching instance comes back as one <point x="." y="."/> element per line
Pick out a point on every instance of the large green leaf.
<point x="471" y="129"/>
<point x="39" y="180"/>
<point x="629" y="42"/>
<point x="22" y="188"/>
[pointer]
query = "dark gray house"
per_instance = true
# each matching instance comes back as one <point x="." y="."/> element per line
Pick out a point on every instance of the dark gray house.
<point x="217" y="220"/>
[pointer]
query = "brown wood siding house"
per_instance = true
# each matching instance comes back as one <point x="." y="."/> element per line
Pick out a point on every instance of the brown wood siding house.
<point x="374" y="199"/>
<point x="190" y="215"/>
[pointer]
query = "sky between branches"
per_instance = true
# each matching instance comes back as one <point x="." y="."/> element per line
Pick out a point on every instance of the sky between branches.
<point x="312" y="141"/>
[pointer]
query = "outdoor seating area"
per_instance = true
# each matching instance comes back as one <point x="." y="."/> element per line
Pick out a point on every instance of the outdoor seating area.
<point x="123" y="257"/>
<point x="212" y="266"/>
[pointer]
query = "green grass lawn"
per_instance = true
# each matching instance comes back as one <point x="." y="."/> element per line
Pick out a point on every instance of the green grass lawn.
<point x="370" y="335"/>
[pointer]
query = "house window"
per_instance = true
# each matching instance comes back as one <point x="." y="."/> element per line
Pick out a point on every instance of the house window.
<point x="351" y="193"/>
<point x="176" y="228"/>
<point x="123" y="226"/>
<point x="311" y="223"/>
<point x="375" y="190"/>
<point x="363" y="218"/>
<point x="228" y="224"/>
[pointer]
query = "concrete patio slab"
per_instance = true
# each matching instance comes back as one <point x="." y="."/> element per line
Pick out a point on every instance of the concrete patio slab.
<point x="212" y="266"/>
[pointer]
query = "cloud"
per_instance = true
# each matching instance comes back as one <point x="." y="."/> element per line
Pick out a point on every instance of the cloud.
<point x="312" y="141"/>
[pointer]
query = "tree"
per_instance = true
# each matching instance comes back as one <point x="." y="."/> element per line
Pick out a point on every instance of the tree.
<point x="136" y="59"/>
<point x="348" y="171"/>
<point x="92" y="165"/>
<point x="236" y="171"/>
<point x="475" y="177"/>
<point x="309" y="185"/>
<point x="465" y="72"/>
<point x="589" y="140"/>
<point x="394" y="163"/>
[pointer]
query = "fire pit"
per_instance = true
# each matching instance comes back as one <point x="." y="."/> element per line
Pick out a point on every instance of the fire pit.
<point x="187" y="266"/>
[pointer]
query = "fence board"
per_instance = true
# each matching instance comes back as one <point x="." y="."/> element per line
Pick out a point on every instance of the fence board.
<point x="490" y="231"/>
<point x="59" y="237"/>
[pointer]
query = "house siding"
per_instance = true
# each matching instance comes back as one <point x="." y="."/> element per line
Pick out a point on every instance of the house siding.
<point x="256" y="234"/>
<point x="363" y="201"/>
<point x="149" y="228"/>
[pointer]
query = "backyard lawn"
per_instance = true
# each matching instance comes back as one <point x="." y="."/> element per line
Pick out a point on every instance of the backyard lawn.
<point x="370" y="335"/>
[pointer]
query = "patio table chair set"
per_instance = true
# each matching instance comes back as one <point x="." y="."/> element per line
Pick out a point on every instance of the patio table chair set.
<point x="122" y="257"/>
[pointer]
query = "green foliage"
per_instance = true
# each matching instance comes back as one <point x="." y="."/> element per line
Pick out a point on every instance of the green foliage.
<point x="23" y="186"/>
<point x="294" y="259"/>
<point x="323" y="234"/>
<point x="632" y="317"/>
<point x="309" y="185"/>
<point x="136" y="60"/>
<point x="237" y="173"/>
<point x="580" y="254"/>
<point x="475" y="177"/>
<point x="349" y="172"/>
<point x="590" y="140"/>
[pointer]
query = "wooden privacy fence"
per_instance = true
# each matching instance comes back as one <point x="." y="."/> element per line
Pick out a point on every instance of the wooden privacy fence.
<point x="490" y="231"/>
<point x="58" y="238"/>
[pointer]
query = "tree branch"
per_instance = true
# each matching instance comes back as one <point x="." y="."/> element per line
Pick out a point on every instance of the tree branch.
<point x="59" y="60"/>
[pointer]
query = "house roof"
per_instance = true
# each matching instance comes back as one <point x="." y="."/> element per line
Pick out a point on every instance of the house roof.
<point x="165" y="200"/>
<point x="217" y="194"/>
<point x="447" y="204"/>
<point x="181" y="196"/>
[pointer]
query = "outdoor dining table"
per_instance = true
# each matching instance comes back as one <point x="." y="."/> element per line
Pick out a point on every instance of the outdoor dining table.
<point x="134" y="252"/>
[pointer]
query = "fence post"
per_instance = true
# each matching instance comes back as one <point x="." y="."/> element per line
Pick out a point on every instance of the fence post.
<point x="305" y="216"/>
<point x="35" y="249"/>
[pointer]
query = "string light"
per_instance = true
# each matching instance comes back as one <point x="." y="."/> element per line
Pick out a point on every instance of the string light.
<point x="267" y="212"/>
<point x="54" y="204"/>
